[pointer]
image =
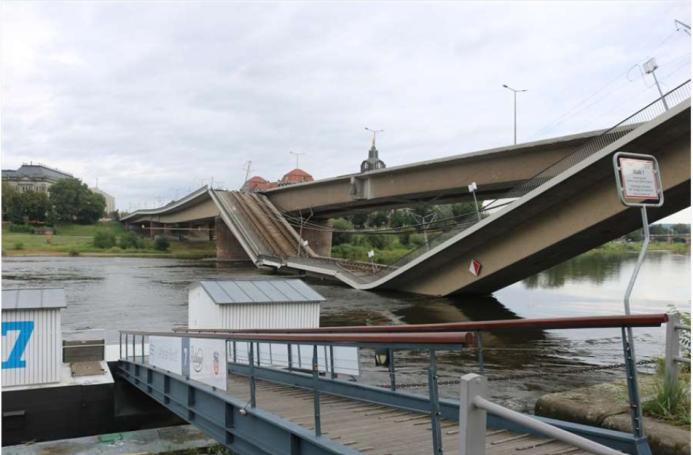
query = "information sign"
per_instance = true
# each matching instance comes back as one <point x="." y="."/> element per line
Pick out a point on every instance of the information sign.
<point x="638" y="179"/>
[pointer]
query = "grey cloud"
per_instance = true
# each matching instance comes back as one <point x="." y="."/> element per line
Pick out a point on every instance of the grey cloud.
<point x="154" y="98"/>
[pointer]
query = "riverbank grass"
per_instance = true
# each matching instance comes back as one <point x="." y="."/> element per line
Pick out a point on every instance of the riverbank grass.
<point x="617" y="247"/>
<point x="79" y="240"/>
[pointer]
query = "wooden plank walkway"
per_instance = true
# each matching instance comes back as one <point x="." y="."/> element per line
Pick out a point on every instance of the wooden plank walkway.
<point x="382" y="430"/>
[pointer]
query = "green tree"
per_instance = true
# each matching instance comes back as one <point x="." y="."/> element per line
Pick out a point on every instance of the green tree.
<point x="378" y="218"/>
<point x="681" y="228"/>
<point x="359" y="219"/>
<point x="12" y="204"/>
<point x="341" y="224"/>
<point x="35" y="205"/>
<point x="92" y="209"/>
<point x="72" y="201"/>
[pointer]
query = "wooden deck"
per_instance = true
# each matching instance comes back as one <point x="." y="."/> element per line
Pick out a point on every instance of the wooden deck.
<point x="381" y="430"/>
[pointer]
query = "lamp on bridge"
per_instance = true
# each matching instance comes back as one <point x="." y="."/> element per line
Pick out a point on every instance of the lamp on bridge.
<point x="515" y="92"/>
<point x="650" y="67"/>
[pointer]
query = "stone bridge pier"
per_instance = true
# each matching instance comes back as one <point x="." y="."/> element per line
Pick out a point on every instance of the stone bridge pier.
<point x="228" y="248"/>
<point x="318" y="239"/>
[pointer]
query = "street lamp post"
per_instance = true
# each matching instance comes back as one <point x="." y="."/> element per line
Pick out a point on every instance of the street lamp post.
<point x="515" y="92"/>
<point x="650" y="67"/>
<point x="297" y="155"/>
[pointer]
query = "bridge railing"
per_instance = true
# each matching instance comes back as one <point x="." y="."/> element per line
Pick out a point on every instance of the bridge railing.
<point x="674" y="340"/>
<point x="319" y="375"/>
<point x="473" y="408"/>
<point x="674" y="97"/>
<point x="133" y="348"/>
<point x="396" y="369"/>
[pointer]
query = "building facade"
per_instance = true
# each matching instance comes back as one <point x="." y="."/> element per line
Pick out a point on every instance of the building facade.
<point x="110" y="200"/>
<point x="33" y="177"/>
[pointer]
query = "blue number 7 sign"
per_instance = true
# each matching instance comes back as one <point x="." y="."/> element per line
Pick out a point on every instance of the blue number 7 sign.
<point x="25" y="329"/>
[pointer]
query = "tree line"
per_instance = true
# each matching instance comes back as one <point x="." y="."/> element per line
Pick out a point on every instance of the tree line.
<point x="68" y="201"/>
<point x="403" y="230"/>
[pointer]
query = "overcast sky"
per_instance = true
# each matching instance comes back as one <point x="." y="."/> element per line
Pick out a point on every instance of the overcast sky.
<point x="155" y="99"/>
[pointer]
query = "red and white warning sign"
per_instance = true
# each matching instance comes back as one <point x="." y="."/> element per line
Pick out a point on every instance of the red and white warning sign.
<point x="475" y="267"/>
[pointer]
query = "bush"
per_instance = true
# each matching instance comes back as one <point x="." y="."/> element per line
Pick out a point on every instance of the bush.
<point x="104" y="239"/>
<point x="161" y="244"/>
<point x="418" y="240"/>
<point x="672" y="400"/>
<point x="130" y="240"/>
<point x="73" y="253"/>
<point x="23" y="228"/>
<point x="19" y="246"/>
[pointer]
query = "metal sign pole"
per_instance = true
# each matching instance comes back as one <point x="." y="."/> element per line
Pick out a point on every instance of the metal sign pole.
<point x="641" y="259"/>
<point x="629" y="346"/>
<point x="639" y="184"/>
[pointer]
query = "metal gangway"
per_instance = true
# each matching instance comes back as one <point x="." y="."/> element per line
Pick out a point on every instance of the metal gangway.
<point x="309" y="407"/>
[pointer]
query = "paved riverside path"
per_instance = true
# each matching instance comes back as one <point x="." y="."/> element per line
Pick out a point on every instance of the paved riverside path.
<point x="382" y="430"/>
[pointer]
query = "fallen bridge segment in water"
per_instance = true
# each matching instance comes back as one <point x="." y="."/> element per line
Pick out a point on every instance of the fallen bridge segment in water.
<point x="566" y="207"/>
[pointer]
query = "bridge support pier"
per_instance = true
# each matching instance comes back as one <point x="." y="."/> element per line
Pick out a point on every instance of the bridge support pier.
<point x="319" y="240"/>
<point x="228" y="247"/>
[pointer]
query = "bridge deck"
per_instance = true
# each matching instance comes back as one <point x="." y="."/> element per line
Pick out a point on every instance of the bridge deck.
<point x="376" y="429"/>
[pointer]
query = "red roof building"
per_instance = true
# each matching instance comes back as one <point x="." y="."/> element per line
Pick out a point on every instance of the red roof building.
<point x="295" y="176"/>
<point x="257" y="183"/>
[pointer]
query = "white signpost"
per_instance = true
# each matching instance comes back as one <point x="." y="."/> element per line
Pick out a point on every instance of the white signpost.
<point x="639" y="184"/>
<point x="208" y="361"/>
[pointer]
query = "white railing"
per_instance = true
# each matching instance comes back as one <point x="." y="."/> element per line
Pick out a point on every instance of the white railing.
<point x="672" y="347"/>
<point x="473" y="409"/>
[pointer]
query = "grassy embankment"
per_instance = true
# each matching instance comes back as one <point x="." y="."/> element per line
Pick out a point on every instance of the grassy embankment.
<point x="392" y="253"/>
<point x="634" y="247"/>
<point x="78" y="240"/>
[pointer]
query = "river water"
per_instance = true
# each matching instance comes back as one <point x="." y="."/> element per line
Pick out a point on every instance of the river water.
<point x="105" y="295"/>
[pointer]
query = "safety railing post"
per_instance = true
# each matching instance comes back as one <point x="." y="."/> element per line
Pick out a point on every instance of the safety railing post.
<point x="289" y="356"/>
<point x="316" y="391"/>
<point x="472" y="419"/>
<point x="435" y="404"/>
<point x="134" y="347"/>
<point x="333" y="375"/>
<point x="120" y="345"/>
<point x="632" y="382"/>
<point x="671" y="349"/>
<point x="142" y="349"/>
<point x="391" y="369"/>
<point x="235" y="359"/>
<point x="480" y="352"/>
<point x="127" y="349"/>
<point x="251" y="364"/>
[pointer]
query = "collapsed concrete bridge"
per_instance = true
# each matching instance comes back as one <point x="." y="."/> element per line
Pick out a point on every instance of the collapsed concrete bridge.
<point x="562" y="193"/>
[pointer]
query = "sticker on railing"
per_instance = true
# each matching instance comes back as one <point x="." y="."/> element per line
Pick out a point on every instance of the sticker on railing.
<point x="166" y="353"/>
<point x="208" y="361"/>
